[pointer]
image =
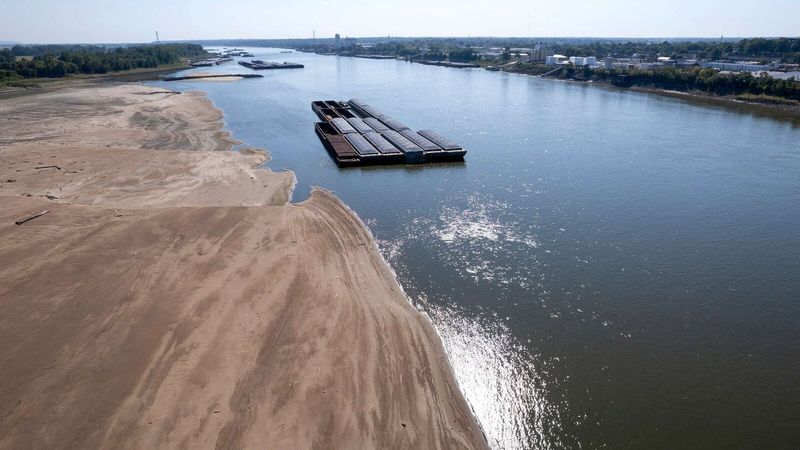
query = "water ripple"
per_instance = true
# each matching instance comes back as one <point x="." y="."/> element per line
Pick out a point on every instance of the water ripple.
<point x="499" y="378"/>
<point x="483" y="242"/>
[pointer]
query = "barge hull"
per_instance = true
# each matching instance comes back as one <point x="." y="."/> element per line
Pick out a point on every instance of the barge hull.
<point x="336" y="145"/>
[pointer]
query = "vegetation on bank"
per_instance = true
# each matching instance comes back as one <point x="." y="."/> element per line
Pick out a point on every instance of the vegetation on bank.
<point x="696" y="79"/>
<point x="787" y="50"/>
<point x="57" y="61"/>
<point x="432" y="52"/>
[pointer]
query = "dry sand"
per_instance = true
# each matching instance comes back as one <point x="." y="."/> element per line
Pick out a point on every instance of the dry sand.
<point x="129" y="116"/>
<point x="174" y="299"/>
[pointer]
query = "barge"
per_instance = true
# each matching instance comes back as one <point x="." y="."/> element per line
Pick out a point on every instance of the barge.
<point x="375" y="56"/>
<point x="340" y="150"/>
<point x="455" y="65"/>
<point x="257" y="64"/>
<point x="213" y="75"/>
<point x="211" y="62"/>
<point x="356" y="134"/>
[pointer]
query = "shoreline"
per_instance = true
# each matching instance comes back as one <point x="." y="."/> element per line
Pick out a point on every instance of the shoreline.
<point x="788" y="111"/>
<point x="290" y="329"/>
<point x="35" y="85"/>
<point x="376" y="249"/>
<point x="783" y="111"/>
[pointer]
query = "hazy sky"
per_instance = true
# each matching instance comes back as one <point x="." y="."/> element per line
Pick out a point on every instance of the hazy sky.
<point x="38" y="21"/>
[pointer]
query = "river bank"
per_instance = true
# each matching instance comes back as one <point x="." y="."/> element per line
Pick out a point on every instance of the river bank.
<point x="24" y="86"/>
<point x="172" y="297"/>
<point x="785" y="110"/>
<point x="782" y="107"/>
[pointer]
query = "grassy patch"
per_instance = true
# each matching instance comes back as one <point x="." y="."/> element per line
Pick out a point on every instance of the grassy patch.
<point x="767" y="99"/>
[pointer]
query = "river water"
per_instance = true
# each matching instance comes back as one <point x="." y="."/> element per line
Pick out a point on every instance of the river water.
<point x="607" y="268"/>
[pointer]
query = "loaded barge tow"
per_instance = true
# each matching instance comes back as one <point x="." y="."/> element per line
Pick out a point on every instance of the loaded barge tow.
<point x="357" y="134"/>
<point x="258" y="64"/>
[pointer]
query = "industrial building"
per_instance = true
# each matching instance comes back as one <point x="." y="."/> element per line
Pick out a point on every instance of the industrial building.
<point x="750" y="66"/>
<point x="555" y="60"/>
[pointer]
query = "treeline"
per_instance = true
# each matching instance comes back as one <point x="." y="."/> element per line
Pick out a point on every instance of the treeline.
<point x="54" y="61"/>
<point x="54" y="49"/>
<point x="785" y="49"/>
<point x="691" y="79"/>
<point x="434" y="52"/>
<point x="458" y="54"/>
<point x="387" y="48"/>
<point x="771" y="47"/>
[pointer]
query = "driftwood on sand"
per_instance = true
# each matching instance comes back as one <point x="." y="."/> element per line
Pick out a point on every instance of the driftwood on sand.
<point x="27" y="219"/>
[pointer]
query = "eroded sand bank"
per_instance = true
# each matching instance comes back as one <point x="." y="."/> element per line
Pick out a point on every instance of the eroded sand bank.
<point x="174" y="299"/>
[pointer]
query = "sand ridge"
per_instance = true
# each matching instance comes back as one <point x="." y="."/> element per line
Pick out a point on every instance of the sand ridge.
<point x="175" y="299"/>
<point x="138" y="178"/>
<point x="123" y="116"/>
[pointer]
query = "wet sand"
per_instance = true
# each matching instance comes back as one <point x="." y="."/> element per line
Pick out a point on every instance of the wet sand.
<point x="173" y="298"/>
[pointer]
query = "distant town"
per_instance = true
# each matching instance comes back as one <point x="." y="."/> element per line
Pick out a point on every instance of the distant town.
<point x="756" y="70"/>
<point x="780" y="55"/>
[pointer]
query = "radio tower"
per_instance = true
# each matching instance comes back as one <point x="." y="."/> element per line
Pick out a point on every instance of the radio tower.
<point x="157" y="40"/>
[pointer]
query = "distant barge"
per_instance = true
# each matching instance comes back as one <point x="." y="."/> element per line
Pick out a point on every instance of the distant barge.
<point x="257" y="64"/>
<point x="211" y="62"/>
<point x="375" y="56"/>
<point x="213" y="75"/>
<point x="456" y="65"/>
<point x="356" y="134"/>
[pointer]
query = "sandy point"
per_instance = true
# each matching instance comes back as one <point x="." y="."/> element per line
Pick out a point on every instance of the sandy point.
<point x="172" y="297"/>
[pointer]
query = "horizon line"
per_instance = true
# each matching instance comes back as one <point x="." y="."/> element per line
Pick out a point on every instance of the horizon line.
<point x="390" y="37"/>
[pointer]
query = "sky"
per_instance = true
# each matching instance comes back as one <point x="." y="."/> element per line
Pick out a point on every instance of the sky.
<point x="113" y="21"/>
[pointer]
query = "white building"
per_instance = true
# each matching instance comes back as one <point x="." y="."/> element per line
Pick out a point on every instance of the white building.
<point x="584" y="60"/>
<point x="555" y="60"/>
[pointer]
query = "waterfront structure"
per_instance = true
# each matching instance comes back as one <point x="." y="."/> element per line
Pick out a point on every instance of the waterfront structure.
<point x="555" y="60"/>
<point x="538" y="54"/>
<point x="583" y="60"/>
<point x="749" y="66"/>
<point x="686" y="62"/>
<point x="649" y="65"/>
<point x="535" y="54"/>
